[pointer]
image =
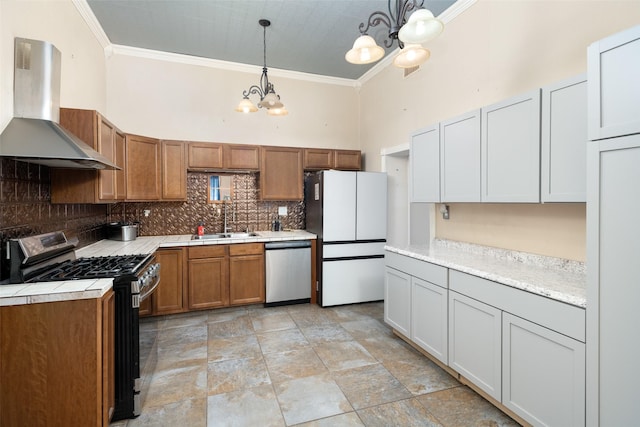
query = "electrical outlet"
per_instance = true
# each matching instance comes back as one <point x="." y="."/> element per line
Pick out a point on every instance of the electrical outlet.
<point x="282" y="210"/>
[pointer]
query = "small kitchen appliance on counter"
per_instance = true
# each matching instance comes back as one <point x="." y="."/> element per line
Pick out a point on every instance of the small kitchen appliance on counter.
<point x="51" y="257"/>
<point x="122" y="231"/>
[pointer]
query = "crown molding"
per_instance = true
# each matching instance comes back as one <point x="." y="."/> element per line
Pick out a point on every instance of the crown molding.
<point x="92" y="22"/>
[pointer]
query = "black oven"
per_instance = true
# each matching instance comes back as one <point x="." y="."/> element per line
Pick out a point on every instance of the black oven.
<point x="50" y="257"/>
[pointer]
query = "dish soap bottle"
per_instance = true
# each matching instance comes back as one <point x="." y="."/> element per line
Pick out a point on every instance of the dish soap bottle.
<point x="201" y="229"/>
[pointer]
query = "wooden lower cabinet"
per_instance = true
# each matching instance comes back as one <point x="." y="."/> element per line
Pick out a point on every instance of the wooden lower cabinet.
<point x="208" y="273"/>
<point x="170" y="296"/>
<point x="56" y="363"/>
<point x="246" y="274"/>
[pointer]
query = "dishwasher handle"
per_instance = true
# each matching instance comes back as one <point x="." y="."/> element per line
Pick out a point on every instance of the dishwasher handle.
<point x="288" y="244"/>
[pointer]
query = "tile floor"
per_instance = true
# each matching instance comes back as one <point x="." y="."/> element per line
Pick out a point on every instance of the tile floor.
<point x="296" y="365"/>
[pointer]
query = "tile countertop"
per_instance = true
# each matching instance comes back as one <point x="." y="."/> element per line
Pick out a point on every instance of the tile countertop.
<point x="32" y="293"/>
<point x="559" y="279"/>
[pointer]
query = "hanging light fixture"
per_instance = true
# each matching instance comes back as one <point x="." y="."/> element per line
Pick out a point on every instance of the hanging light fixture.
<point x="421" y="27"/>
<point x="267" y="93"/>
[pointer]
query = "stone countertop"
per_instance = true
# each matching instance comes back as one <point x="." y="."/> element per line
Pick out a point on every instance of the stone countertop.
<point x="32" y="293"/>
<point x="559" y="279"/>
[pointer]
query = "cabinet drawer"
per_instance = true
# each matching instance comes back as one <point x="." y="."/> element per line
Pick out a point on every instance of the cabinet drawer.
<point x="558" y="316"/>
<point x="211" y="251"/>
<point x="246" y="249"/>
<point x="424" y="270"/>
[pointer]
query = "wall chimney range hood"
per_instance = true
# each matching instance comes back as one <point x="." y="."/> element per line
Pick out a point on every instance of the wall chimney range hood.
<point x="33" y="135"/>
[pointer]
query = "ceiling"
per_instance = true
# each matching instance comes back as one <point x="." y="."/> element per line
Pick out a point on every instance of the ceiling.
<point x="305" y="36"/>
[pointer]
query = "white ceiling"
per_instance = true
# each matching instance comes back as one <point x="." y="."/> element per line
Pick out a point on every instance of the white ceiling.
<point x="305" y="36"/>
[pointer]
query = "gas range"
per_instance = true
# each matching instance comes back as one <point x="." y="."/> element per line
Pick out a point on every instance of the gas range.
<point x="51" y="257"/>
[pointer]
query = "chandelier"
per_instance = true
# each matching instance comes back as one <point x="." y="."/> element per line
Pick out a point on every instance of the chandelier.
<point x="267" y="93"/>
<point x="410" y="33"/>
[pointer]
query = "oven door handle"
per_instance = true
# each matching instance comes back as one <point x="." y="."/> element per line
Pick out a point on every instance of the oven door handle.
<point x="149" y="290"/>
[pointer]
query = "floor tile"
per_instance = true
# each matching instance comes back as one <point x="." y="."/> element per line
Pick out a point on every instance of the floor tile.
<point x="350" y="419"/>
<point x="293" y="364"/>
<point x="344" y="355"/>
<point x="460" y="407"/>
<point x="236" y="374"/>
<point x="235" y="327"/>
<point x="273" y="322"/>
<point x="190" y="412"/>
<point x="279" y="341"/>
<point x="311" y="398"/>
<point x="388" y="347"/>
<point x="317" y="334"/>
<point x="241" y="347"/>
<point x="402" y="413"/>
<point x="183" y="320"/>
<point x="226" y="314"/>
<point x="175" y="384"/>
<point x="310" y="315"/>
<point x="256" y="406"/>
<point x="420" y="375"/>
<point x="369" y="386"/>
<point x="365" y="328"/>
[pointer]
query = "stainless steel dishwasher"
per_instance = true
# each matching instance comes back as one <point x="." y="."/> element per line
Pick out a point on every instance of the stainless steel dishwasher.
<point x="288" y="272"/>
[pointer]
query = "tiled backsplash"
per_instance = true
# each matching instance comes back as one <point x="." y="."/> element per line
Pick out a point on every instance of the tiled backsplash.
<point x="26" y="209"/>
<point x="244" y="211"/>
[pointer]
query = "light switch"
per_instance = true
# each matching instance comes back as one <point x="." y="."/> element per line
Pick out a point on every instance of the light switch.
<point x="282" y="210"/>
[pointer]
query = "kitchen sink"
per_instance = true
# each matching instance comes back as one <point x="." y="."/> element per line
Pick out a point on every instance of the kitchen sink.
<point x="223" y="236"/>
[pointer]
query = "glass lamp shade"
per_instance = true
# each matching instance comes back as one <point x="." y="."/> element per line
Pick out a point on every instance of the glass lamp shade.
<point x="364" y="51"/>
<point x="420" y="28"/>
<point x="246" y="106"/>
<point x="271" y="100"/>
<point x="412" y="55"/>
<point x="277" y="111"/>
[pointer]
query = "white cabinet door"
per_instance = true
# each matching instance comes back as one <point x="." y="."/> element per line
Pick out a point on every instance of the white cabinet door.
<point x="460" y="158"/>
<point x="511" y="150"/>
<point x="613" y="282"/>
<point x="564" y="141"/>
<point x="339" y="206"/>
<point x="429" y="318"/>
<point x="614" y="87"/>
<point x="397" y="301"/>
<point x="543" y="374"/>
<point x="475" y="342"/>
<point x="425" y="165"/>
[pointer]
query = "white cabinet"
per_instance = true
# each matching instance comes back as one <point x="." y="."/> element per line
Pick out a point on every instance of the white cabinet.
<point x="614" y="88"/>
<point x="613" y="281"/>
<point x="424" y="158"/>
<point x="460" y="158"/>
<point x="543" y="377"/>
<point x="429" y="321"/>
<point x="564" y="141"/>
<point x="475" y="342"/>
<point x="511" y="150"/>
<point x="397" y="301"/>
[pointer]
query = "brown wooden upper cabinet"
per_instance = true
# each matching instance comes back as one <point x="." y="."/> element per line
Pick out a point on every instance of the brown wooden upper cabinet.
<point x="281" y="175"/>
<point x="206" y="156"/>
<point x="325" y="158"/>
<point x="174" y="170"/>
<point x="143" y="168"/>
<point x="91" y="186"/>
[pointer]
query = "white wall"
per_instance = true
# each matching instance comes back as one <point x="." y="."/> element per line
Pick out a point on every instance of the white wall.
<point x="58" y="22"/>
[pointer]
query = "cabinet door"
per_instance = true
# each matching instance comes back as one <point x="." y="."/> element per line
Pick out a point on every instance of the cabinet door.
<point x="425" y="165"/>
<point x="318" y="158"/>
<point x="511" y="150"/>
<point x="169" y="296"/>
<point x="543" y="377"/>
<point x="460" y="158"/>
<point x="281" y="175"/>
<point x="143" y="168"/>
<point x="397" y="301"/>
<point x="208" y="283"/>
<point x="203" y="155"/>
<point x="564" y="141"/>
<point x="613" y="343"/>
<point x="347" y="160"/>
<point x="429" y="318"/>
<point x="241" y="157"/>
<point x="108" y="356"/>
<point x="614" y="87"/>
<point x="246" y="279"/>
<point x="174" y="171"/>
<point x="475" y="342"/>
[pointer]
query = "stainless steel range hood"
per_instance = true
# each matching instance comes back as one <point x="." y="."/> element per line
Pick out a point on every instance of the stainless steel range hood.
<point x="33" y="135"/>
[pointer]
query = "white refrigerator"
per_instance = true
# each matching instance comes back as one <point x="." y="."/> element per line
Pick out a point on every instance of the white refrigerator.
<point x="348" y="213"/>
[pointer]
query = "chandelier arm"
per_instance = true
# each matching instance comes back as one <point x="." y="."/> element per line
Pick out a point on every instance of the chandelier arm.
<point x="376" y="18"/>
<point x="253" y="90"/>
